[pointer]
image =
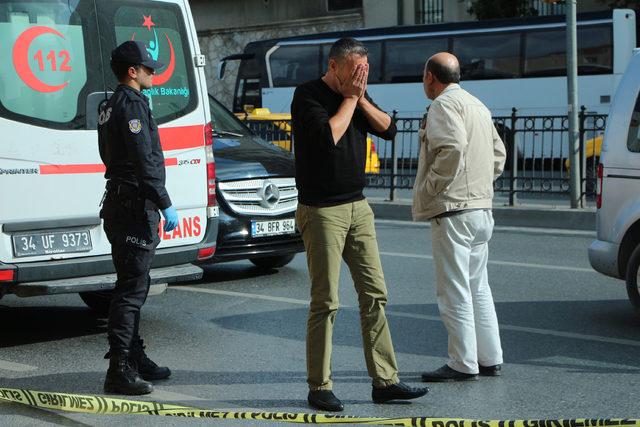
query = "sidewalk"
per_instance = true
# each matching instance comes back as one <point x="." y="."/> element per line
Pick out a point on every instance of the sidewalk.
<point x="550" y="211"/>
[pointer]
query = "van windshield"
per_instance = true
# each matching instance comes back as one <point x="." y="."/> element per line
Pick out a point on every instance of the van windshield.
<point x="224" y="121"/>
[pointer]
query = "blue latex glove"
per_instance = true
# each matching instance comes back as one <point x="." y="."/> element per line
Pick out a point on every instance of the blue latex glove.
<point x="170" y="218"/>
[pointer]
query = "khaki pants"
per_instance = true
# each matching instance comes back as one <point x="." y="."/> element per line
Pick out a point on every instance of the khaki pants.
<point x="331" y="234"/>
<point x="460" y="252"/>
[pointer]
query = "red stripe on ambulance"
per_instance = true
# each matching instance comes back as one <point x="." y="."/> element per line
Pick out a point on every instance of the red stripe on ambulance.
<point x="87" y="168"/>
<point x="181" y="137"/>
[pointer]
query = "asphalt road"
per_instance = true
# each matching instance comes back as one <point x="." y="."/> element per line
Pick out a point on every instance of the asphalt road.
<point x="235" y="340"/>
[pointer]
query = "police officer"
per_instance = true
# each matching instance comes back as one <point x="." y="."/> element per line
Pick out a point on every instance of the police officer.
<point x="130" y="149"/>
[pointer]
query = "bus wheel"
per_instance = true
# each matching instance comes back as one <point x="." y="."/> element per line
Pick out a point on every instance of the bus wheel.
<point x="633" y="281"/>
<point x="98" y="302"/>
<point x="272" y="261"/>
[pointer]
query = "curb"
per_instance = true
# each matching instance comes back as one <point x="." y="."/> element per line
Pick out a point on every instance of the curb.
<point x="517" y="216"/>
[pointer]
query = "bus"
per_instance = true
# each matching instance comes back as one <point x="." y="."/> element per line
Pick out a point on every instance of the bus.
<point x="506" y="63"/>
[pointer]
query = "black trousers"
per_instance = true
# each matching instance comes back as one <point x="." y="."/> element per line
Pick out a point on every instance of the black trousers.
<point x="133" y="234"/>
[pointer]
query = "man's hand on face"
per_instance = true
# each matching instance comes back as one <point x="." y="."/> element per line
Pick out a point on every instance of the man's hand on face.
<point x="356" y="84"/>
<point x="364" y="81"/>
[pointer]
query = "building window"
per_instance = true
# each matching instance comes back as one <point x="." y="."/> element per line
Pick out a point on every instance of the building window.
<point x="338" y="5"/>
<point x="430" y="11"/>
<point x="545" y="8"/>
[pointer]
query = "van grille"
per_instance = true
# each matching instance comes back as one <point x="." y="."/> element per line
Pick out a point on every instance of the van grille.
<point x="268" y="197"/>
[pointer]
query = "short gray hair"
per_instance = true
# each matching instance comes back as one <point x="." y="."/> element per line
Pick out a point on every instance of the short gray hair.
<point x="345" y="47"/>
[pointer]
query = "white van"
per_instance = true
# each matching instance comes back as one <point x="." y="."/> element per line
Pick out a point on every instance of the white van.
<point x="54" y="63"/>
<point x="616" y="252"/>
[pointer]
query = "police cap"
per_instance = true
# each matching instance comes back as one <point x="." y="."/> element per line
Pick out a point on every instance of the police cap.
<point x="134" y="52"/>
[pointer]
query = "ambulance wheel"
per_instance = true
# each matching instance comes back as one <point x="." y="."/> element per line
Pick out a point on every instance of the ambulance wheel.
<point x="272" y="261"/>
<point x="98" y="301"/>
<point x="633" y="281"/>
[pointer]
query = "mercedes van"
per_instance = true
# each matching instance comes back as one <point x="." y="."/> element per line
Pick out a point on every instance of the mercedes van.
<point x="616" y="252"/>
<point x="54" y="62"/>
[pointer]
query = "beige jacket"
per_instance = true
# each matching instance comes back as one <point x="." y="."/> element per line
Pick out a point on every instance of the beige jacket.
<point x="461" y="155"/>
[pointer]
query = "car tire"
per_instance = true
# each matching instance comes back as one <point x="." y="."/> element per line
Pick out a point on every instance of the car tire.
<point x="98" y="302"/>
<point x="272" y="261"/>
<point x="633" y="270"/>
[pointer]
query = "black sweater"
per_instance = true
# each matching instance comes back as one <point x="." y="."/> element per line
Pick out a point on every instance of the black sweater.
<point x="329" y="174"/>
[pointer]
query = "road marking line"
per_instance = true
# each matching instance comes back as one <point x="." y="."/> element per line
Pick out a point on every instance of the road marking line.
<point x="582" y="363"/>
<point x="16" y="367"/>
<point x="506" y="263"/>
<point x="241" y="294"/>
<point x="514" y="328"/>
<point x="528" y="230"/>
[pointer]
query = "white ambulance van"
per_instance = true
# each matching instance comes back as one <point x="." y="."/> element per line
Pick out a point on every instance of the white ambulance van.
<point x="54" y="63"/>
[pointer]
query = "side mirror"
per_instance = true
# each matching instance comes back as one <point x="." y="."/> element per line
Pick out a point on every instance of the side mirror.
<point x="221" y="67"/>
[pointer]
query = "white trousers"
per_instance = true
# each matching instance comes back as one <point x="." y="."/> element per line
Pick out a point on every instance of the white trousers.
<point x="460" y="253"/>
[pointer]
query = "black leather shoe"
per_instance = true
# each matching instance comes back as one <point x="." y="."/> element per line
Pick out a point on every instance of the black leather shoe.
<point x="399" y="391"/>
<point x="446" y="374"/>
<point x="147" y="368"/>
<point x="491" y="371"/>
<point x="324" y="400"/>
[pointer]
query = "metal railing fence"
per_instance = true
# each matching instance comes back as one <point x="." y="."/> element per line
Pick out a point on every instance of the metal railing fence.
<point x="539" y="166"/>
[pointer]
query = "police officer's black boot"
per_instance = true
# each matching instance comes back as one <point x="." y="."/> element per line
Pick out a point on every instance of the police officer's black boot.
<point x="147" y="368"/>
<point x="122" y="376"/>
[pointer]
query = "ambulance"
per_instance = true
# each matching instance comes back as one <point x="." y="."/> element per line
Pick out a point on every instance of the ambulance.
<point x="54" y="63"/>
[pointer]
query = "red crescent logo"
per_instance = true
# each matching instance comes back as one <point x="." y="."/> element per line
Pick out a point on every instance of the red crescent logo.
<point x="160" y="79"/>
<point x="21" y="59"/>
<point x="165" y="76"/>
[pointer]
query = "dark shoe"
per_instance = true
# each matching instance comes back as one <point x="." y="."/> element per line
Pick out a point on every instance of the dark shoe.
<point x="324" y="400"/>
<point x="491" y="371"/>
<point x="399" y="391"/>
<point x="446" y="374"/>
<point x="147" y="368"/>
<point x="122" y="376"/>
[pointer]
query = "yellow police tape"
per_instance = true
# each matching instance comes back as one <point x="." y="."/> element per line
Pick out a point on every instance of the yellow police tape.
<point x="90" y="404"/>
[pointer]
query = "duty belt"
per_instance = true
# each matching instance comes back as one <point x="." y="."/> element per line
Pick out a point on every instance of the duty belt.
<point x="122" y="190"/>
<point x="128" y="192"/>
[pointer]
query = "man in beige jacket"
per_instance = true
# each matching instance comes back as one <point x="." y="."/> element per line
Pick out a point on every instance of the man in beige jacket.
<point x="461" y="155"/>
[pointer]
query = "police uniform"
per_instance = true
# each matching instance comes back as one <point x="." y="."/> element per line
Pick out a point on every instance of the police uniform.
<point x="130" y="149"/>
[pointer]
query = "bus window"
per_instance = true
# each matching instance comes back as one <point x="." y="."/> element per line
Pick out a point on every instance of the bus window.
<point x="374" y="58"/>
<point x="595" y="50"/>
<point x="375" y="61"/>
<point x="248" y="94"/>
<point x="405" y="58"/>
<point x="325" y="57"/>
<point x="493" y="56"/>
<point x="293" y="65"/>
<point x="545" y="52"/>
<point x="248" y="80"/>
